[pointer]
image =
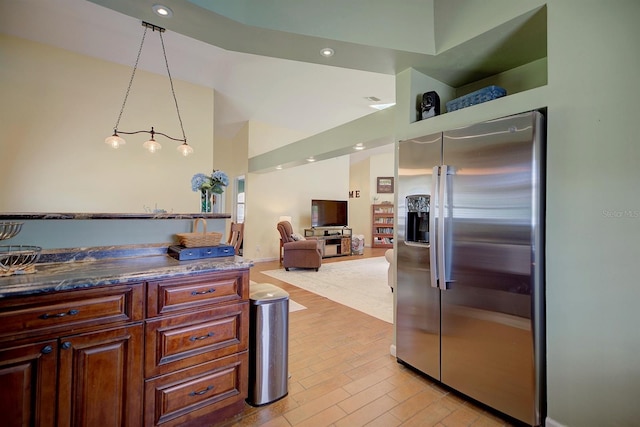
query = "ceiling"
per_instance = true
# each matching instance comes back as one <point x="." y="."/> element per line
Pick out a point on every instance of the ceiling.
<point x="265" y="74"/>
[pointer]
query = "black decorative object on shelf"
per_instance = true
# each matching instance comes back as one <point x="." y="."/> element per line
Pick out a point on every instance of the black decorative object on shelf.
<point x="428" y="105"/>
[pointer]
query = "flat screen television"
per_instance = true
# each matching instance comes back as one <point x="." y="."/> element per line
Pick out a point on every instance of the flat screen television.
<point x="329" y="213"/>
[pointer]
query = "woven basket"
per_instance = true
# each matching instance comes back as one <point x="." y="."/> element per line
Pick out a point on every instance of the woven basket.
<point x="196" y="239"/>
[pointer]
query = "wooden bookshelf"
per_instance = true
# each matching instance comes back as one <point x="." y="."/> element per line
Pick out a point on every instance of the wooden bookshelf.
<point x="382" y="218"/>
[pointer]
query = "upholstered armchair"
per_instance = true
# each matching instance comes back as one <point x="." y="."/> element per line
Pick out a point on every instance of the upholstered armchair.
<point x="388" y="255"/>
<point x="299" y="253"/>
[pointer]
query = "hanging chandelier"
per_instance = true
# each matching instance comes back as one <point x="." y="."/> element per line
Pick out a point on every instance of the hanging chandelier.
<point x="151" y="145"/>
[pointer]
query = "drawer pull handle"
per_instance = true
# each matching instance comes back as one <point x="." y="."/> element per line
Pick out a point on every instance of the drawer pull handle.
<point x="202" y="337"/>
<point x="57" y="315"/>
<point x="208" y="291"/>
<point x="46" y="350"/>
<point x="201" y="392"/>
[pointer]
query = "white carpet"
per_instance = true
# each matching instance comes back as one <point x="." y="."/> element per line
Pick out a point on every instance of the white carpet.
<point x="293" y="306"/>
<point x="359" y="284"/>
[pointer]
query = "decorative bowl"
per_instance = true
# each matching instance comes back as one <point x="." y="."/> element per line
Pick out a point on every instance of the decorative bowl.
<point x="9" y="229"/>
<point x="18" y="258"/>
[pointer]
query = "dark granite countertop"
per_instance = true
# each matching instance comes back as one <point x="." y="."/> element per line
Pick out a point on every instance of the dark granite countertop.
<point x="86" y="268"/>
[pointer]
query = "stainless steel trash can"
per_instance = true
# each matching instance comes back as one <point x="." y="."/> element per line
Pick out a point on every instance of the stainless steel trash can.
<point x="268" y="344"/>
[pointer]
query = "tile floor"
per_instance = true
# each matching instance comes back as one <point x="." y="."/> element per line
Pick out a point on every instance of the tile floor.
<point x="342" y="373"/>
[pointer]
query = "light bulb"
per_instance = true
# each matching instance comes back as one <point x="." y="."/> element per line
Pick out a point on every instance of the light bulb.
<point x="162" y="10"/>
<point x="185" y="149"/>
<point x="327" y="52"/>
<point x="114" y="141"/>
<point x="152" y="145"/>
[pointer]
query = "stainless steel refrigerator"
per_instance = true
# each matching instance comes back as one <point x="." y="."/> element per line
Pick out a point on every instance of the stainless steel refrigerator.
<point x="470" y="262"/>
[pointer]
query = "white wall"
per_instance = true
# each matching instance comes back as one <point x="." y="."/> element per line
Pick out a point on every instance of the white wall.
<point x="58" y="107"/>
<point x="457" y="21"/>
<point x="363" y="176"/>
<point x="593" y="213"/>
<point x="360" y="203"/>
<point x="394" y="22"/>
<point x="289" y="192"/>
<point x="592" y="197"/>
<point x="265" y="137"/>
<point x="382" y="165"/>
<point x="593" y="206"/>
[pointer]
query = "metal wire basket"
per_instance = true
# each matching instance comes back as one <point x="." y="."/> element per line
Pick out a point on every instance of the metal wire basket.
<point x="9" y="229"/>
<point x="18" y="259"/>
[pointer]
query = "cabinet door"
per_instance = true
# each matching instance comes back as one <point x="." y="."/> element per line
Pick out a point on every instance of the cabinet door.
<point x="101" y="378"/>
<point x="28" y="385"/>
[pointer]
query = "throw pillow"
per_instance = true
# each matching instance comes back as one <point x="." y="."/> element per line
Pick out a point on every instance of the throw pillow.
<point x="297" y="236"/>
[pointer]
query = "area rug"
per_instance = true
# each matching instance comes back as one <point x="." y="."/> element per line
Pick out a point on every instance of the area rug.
<point x="293" y="306"/>
<point x="359" y="284"/>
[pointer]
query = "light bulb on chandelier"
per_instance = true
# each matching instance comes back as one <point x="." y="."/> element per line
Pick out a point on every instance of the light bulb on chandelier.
<point x="152" y="146"/>
<point x="115" y="140"/>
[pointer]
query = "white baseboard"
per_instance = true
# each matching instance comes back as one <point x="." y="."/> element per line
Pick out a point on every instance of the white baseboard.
<point x="549" y="422"/>
<point x="392" y="350"/>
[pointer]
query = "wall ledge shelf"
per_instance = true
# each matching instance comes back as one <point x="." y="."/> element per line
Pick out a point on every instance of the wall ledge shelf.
<point x="532" y="99"/>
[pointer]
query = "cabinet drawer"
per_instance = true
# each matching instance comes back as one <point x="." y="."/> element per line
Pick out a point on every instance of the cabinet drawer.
<point x="169" y="296"/>
<point x="71" y="310"/>
<point x="198" y="392"/>
<point x="181" y="341"/>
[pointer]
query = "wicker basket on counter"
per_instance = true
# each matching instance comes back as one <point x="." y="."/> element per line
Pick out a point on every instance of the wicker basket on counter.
<point x="197" y="239"/>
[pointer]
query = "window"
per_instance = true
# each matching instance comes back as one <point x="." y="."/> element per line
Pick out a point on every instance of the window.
<point x="240" y="200"/>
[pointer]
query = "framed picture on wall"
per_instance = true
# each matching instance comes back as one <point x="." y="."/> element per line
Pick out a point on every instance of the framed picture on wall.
<point x="385" y="184"/>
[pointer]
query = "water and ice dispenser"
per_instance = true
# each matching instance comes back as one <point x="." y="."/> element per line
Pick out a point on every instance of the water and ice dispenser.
<point x="418" y="218"/>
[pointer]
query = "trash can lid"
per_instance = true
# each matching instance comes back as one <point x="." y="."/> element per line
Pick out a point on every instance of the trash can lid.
<point x="266" y="292"/>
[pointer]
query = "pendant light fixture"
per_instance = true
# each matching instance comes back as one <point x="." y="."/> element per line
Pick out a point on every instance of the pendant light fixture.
<point x="151" y="145"/>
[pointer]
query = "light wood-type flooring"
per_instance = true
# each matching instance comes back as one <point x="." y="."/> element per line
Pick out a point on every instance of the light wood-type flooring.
<point x="342" y="373"/>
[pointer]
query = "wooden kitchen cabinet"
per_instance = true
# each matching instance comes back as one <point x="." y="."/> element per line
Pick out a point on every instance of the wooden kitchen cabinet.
<point x="72" y="358"/>
<point x="170" y="352"/>
<point x="100" y="378"/>
<point x="196" y="349"/>
<point x="28" y="376"/>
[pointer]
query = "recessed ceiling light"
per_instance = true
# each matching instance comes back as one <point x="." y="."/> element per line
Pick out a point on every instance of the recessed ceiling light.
<point x="327" y="52"/>
<point x="279" y="167"/>
<point x="162" y="10"/>
<point x="311" y="159"/>
<point x="358" y="146"/>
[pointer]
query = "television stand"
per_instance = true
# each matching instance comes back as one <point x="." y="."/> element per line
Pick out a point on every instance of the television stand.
<point x="336" y="241"/>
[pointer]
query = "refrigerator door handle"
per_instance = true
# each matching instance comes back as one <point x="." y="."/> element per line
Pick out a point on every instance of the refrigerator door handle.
<point x="442" y="198"/>
<point x="433" y="238"/>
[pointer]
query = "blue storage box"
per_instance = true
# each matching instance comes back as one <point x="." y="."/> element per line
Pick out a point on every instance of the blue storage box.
<point x="182" y="253"/>
<point x="478" y="97"/>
